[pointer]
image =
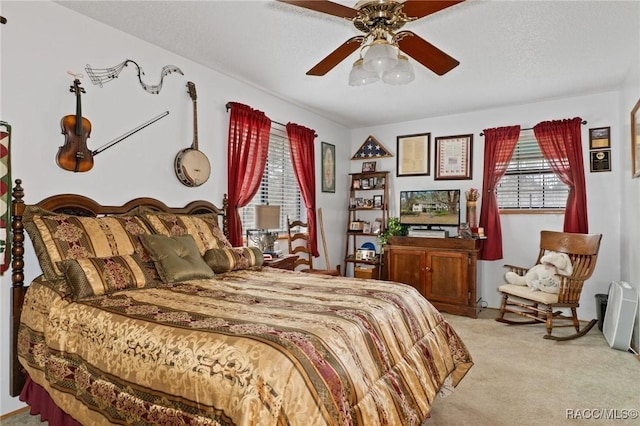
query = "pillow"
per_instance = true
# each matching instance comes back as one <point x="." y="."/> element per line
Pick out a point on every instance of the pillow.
<point x="58" y="237"/>
<point x="231" y="259"/>
<point x="203" y="227"/>
<point x="95" y="276"/>
<point x="176" y="258"/>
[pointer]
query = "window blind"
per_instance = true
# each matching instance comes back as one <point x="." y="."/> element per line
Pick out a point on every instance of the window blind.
<point x="529" y="182"/>
<point x="279" y="185"/>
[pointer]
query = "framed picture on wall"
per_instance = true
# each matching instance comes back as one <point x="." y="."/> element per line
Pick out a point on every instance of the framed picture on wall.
<point x="328" y="167"/>
<point x="413" y="155"/>
<point x="454" y="157"/>
<point x="600" y="161"/>
<point x="635" y="140"/>
<point x="600" y="138"/>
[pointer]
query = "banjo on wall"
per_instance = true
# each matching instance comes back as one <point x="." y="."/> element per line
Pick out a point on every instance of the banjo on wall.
<point x="191" y="165"/>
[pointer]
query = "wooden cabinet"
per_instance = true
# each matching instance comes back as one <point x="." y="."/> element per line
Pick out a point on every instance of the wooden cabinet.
<point x="442" y="269"/>
<point x="368" y="212"/>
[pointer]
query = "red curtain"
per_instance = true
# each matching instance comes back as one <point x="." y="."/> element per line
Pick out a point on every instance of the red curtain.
<point x="561" y="144"/>
<point x="248" y="146"/>
<point x="499" y="144"/>
<point x="302" y="155"/>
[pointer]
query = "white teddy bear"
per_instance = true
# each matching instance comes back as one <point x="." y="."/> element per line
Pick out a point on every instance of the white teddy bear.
<point x="542" y="276"/>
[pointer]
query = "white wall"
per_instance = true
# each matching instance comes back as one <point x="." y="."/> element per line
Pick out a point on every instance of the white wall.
<point x="630" y="201"/>
<point x="41" y="41"/>
<point x="521" y="232"/>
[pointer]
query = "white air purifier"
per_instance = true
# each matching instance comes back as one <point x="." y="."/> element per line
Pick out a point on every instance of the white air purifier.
<point x="620" y="315"/>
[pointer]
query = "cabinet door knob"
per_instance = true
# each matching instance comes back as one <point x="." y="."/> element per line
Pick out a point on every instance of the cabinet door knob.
<point x="427" y="268"/>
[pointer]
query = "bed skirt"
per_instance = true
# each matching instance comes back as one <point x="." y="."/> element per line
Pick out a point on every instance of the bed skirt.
<point x="41" y="403"/>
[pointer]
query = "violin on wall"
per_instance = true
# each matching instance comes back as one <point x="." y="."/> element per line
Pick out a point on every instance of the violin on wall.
<point x="74" y="155"/>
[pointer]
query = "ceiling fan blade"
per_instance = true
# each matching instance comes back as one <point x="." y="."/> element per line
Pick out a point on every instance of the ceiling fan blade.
<point x="421" y="8"/>
<point x="337" y="56"/>
<point x="324" y="6"/>
<point x="426" y="53"/>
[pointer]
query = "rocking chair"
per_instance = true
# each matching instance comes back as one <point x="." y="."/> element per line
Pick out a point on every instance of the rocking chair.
<point x="539" y="306"/>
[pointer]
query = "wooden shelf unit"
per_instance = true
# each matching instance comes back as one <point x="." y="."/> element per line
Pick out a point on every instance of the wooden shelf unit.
<point x="378" y="185"/>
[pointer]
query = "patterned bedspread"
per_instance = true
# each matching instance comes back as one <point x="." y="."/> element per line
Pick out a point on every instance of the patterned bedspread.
<point x="252" y="347"/>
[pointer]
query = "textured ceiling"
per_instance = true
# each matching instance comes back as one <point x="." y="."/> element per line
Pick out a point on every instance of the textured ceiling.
<point x="510" y="52"/>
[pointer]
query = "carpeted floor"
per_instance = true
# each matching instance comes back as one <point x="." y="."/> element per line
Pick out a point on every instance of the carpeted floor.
<point x="518" y="378"/>
<point x="521" y="379"/>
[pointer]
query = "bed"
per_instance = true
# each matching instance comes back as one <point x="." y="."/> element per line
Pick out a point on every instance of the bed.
<point x="125" y="326"/>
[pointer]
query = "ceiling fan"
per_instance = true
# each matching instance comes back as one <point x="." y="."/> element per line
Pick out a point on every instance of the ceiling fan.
<point x="380" y="21"/>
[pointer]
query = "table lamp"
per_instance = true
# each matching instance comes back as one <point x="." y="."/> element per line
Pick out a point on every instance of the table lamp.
<point x="267" y="217"/>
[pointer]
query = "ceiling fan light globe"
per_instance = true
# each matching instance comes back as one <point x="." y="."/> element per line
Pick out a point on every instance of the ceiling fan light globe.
<point x="360" y="76"/>
<point x="380" y="57"/>
<point x="402" y="73"/>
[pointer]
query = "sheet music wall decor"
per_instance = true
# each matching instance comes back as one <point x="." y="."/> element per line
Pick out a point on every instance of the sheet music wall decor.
<point x="100" y="76"/>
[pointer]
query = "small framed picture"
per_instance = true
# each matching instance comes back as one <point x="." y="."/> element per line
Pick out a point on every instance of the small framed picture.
<point x="599" y="138"/>
<point x="377" y="201"/>
<point x="366" y="228"/>
<point x="376" y="226"/>
<point x="355" y="184"/>
<point x="368" y="166"/>
<point x="364" y="183"/>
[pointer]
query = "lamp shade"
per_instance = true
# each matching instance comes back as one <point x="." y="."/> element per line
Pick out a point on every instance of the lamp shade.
<point x="360" y="76"/>
<point x="402" y="73"/>
<point x="267" y="217"/>
<point x="380" y="56"/>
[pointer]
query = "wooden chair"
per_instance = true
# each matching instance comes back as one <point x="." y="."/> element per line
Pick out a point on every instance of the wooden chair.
<point x="298" y="243"/>
<point x="539" y="306"/>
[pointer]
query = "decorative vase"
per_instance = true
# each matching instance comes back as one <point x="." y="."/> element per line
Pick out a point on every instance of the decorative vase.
<point x="472" y="220"/>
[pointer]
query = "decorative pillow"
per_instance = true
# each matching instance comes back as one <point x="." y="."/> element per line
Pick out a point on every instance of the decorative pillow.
<point x="94" y="276"/>
<point x="57" y="237"/>
<point x="203" y="227"/>
<point x="176" y="258"/>
<point x="231" y="259"/>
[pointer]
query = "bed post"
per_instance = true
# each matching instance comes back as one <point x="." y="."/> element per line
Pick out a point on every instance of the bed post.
<point x="17" y="373"/>
<point x="225" y="218"/>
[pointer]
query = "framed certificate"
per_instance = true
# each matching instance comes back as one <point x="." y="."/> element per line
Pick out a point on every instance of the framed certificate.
<point x="453" y="157"/>
<point x="413" y="155"/>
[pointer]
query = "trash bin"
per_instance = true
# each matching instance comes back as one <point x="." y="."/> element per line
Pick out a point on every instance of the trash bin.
<point x="601" y="308"/>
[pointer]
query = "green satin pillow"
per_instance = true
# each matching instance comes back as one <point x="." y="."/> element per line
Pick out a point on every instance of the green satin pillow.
<point x="231" y="259"/>
<point x="176" y="258"/>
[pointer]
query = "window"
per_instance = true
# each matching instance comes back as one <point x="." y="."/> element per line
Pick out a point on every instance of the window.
<point x="529" y="182"/>
<point x="279" y="185"/>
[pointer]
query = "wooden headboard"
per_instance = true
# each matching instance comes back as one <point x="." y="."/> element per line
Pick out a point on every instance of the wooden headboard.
<point x="77" y="205"/>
